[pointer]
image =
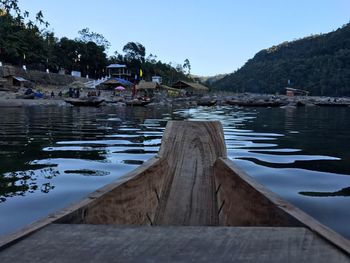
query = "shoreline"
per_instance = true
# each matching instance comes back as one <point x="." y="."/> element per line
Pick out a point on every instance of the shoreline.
<point x="8" y="99"/>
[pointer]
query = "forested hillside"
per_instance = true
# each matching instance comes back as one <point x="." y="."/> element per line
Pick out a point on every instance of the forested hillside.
<point x="318" y="63"/>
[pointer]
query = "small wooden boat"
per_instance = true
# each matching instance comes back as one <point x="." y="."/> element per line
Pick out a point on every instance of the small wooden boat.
<point x="26" y="96"/>
<point x="200" y="205"/>
<point x="333" y="104"/>
<point x="89" y="101"/>
<point x="254" y="103"/>
<point x="138" y="102"/>
<point x="207" y="103"/>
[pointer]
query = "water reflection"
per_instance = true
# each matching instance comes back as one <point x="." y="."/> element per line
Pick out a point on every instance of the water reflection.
<point x="342" y="192"/>
<point x="19" y="183"/>
<point x="63" y="139"/>
<point x="54" y="156"/>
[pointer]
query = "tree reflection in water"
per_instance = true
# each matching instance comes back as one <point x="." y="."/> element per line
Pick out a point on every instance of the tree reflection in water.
<point x="343" y="192"/>
<point x="19" y="183"/>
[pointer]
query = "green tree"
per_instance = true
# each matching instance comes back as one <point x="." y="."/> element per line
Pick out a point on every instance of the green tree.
<point x="21" y="39"/>
<point x="187" y="65"/>
<point x="134" y="51"/>
<point x="87" y="36"/>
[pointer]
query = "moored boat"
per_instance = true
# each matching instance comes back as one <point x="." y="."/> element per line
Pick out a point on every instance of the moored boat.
<point x="187" y="189"/>
<point x="255" y="103"/>
<point x="26" y="96"/>
<point x="138" y="102"/>
<point x="89" y="101"/>
<point x="333" y="104"/>
<point x="207" y="103"/>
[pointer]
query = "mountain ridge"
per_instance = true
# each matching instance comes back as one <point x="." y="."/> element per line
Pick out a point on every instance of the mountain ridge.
<point x="319" y="64"/>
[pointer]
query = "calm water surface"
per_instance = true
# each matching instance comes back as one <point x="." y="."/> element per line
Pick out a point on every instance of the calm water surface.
<point x="51" y="157"/>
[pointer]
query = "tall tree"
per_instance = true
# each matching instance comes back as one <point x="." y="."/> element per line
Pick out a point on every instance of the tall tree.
<point x="87" y="36"/>
<point x="134" y="56"/>
<point x="21" y="39"/>
<point x="135" y="51"/>
<point x="187" y="65"/>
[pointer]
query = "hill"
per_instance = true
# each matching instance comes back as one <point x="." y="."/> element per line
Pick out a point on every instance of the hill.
<point x="318" y="63"/>
<point x="208" y="80"/>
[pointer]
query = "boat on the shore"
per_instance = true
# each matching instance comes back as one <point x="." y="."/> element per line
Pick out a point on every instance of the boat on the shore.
<point x="26" y="96"/>
<point x="255" y="103"/>
<point x="333" y="104"/>
<point x="138" y="102"/>
<point x="189" y="187"/>
<point x="89" y="101"/>
<point x="207" y="103"/>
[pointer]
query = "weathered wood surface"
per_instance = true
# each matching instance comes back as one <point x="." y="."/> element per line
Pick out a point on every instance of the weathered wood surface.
<point x="242" y="204"/>
<point x="77" y="213"/>
<point x="245" y="202"/>
<point x="190" y="150"/>
<point x="103" y="243"/>
<point x="132" y="202"/>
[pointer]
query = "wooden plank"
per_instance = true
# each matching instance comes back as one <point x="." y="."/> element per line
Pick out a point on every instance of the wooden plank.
<point x="241" y="204"/>
<point x="190" y="150"/>
<point x="133" y="202"/>
<point x="249" y="203"/>
<point x="101" y="243"/>
<point x="78" y="212"/>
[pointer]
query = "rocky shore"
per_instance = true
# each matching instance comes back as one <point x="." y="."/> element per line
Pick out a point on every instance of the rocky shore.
<point x="10" y="99"/>
<point x="284" y="101"/>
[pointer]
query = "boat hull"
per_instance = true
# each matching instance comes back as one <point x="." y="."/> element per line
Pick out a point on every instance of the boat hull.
<point x="85" y="102"/>
<point x="192" y="183"/>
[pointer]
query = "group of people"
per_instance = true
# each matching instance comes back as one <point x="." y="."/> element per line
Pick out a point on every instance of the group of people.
<point x="59" y="94"/>
<point x="93" y="93"/>
<point x="74" y="93"/>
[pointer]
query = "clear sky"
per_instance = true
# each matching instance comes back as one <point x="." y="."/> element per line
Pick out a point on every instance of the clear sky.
<point x="217" y="36"/>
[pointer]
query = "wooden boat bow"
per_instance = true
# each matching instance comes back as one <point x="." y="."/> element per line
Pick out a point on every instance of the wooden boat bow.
<point x="189" y="183"/>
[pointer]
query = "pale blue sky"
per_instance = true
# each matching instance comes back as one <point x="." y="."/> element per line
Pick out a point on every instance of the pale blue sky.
<point x="216" y="36"/>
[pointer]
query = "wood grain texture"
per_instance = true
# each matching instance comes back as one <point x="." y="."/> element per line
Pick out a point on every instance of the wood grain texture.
<point x="132" y="202"/>
<point x="241" y="204"/>
<point x="106" y="243"/>
<point x="248" y="203"/>
<point x="80" y="212"/>
<point x="190" y="150"/>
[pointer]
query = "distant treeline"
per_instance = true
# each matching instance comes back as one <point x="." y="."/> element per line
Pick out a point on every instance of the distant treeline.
<point x="319" y="64"/>
<point x="27" y="42"/>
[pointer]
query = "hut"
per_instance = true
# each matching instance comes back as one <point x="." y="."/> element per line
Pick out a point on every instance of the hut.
<point x="191" y="88"/>
<point x="147" y="88"/>
<point x="16" y="81"/>
<point x="170" y="92"/>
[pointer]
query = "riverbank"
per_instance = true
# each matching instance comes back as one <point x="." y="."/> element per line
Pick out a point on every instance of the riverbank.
<point x="10" y="99"/>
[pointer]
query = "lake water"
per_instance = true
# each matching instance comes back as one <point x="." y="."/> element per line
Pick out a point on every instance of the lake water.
<point x="53" y="156"/>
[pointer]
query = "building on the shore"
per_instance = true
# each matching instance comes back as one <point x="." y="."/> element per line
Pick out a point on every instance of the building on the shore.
<point x="75" y="73"/>
<point x="170" y="92"/>
<point x="118" y="71"/>
<point x="3" y="83"/>
<point x="147" y="88"/>
<point x="16" y="81"/>
<point x="291" y="92"/>
<point x="190" y="88"/>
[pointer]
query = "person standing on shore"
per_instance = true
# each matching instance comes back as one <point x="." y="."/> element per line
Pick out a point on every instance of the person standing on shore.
<point x="70" y="93"/>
